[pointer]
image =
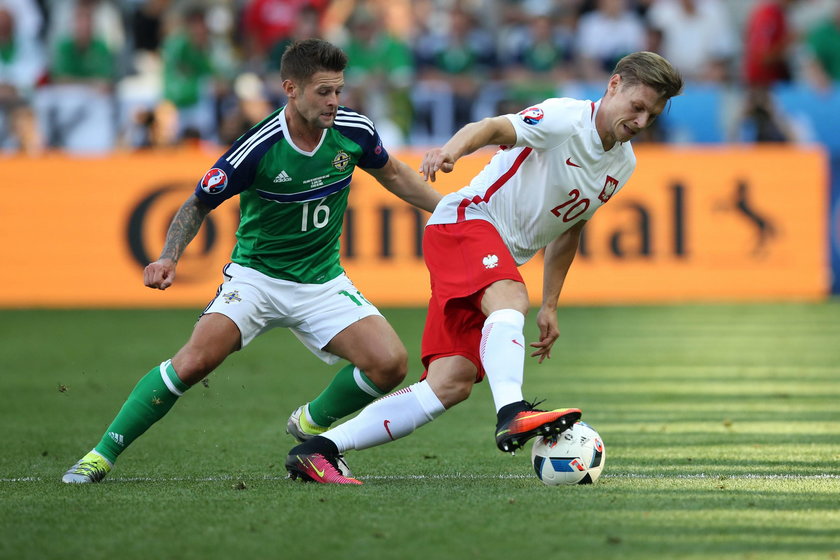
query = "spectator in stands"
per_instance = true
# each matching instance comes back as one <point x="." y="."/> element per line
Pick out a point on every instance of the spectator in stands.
<point x="267" y="22"/>
<point x="767" y="45"/>
<point x="83" y="57"/>
<point x="697" y="37"/>
<point x="539" y="62"/>
<point x="21" y="67"/>
<point x="28" y="16"/>
<point x="453" y="67"/>
<point x="822" y="47"/>
<point x="188" y="74"/>
<point x="77" y="110"/>
<point x="605" y="35"/>
<point x="106" y="23"/>
<point x="380" y="71"/>
<point x="639" y="7"/>
<point x="147" y="21"/>
<point x="767" y="41"/>
<point x="250" y="105"/>
<point x="308" y="27"/>
<point x="762" y="121"/>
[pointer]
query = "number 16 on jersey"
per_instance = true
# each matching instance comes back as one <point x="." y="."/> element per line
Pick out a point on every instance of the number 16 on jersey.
<point x="320" y="215"/>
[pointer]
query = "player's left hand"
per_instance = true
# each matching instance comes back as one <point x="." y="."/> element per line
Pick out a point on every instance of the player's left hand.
<point x="549" y="332"/>
<point x="436" y="160"/>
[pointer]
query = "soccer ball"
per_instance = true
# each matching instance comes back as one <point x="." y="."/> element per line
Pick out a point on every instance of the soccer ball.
<point x="575" y="456"/>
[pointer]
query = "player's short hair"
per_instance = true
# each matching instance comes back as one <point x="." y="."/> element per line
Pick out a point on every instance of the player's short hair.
<point x="651" y="70"/>
<point x="302" y="59"/>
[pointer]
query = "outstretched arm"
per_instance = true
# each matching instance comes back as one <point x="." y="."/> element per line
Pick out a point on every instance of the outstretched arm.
<point x="559" y="255"/>
<point x="185" y="225"/>
<point x="486" y="132"/>
<point x="407" y="184"/>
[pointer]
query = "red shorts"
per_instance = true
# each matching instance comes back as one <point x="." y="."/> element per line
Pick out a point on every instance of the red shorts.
<point x="463" y="260"/>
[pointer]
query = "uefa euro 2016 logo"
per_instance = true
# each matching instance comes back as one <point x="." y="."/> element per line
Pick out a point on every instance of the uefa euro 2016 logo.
<point x="532" y="115"/>
<point x="214" y="181"/>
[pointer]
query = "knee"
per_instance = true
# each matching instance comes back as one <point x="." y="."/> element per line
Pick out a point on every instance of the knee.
<point x="388" y="369"/>
<point x="505" y="294"/>
<point x="452" y="379"/>
<point x="192" y="366"/>
<point x="453" y="391"/>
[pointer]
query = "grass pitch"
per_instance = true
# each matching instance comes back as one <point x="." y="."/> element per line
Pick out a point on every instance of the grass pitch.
<point x="721" y="425"/>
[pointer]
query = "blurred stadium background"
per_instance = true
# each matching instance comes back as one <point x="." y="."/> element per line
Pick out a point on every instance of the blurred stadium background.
<point x="720" y="420"/>
<point x="110" y="111"/>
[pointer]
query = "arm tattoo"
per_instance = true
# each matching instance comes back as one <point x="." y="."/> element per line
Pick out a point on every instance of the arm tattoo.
<point x="184" y="227"/>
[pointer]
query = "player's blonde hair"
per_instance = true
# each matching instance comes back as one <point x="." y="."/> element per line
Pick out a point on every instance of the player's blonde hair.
<point x="651" y="70"/>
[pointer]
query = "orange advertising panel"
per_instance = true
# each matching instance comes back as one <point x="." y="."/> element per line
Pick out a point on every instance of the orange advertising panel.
<point x="692" y="225"/>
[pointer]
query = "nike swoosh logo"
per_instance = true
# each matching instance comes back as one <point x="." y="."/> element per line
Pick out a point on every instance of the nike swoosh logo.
<point x="318" y="472"/>
<point x="569" y="162"/>
<point x="517" y="343"/>
<point x="390" y="435"/>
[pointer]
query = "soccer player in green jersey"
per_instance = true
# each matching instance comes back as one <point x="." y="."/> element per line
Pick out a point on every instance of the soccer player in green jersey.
<point x="292" y="173"/>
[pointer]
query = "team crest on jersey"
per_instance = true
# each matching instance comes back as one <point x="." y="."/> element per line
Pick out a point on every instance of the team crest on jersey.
<point x="341" y="161"/>
<point x="214" y="181"/>
<point x="490" y="261"/>
<point x="232" y="297"/>
<point x="609" y="188"/>
<point x="532" y="115"/>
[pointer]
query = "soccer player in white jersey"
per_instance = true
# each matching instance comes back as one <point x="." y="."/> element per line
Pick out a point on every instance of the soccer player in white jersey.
<point x="559" y="162"/>
<point x="292" y="173"/>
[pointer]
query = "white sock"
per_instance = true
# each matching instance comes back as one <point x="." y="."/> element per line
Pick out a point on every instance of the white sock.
<point x="503" y="355"/>
<point x="389" y="418"/>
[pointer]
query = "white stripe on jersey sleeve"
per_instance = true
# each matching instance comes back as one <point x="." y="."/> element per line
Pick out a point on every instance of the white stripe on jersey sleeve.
<point x="354" y="115"/>
<point x="245" y="145"/>
<point x="248" y="146"/>
<point x="364" y="126"/>
<point x="350" y="118"/>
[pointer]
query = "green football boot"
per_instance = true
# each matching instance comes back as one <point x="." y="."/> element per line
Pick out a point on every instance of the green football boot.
<point x="91" y="468"/>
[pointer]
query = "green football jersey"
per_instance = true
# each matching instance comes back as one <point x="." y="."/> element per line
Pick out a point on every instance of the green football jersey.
<point x="292" y="202"/>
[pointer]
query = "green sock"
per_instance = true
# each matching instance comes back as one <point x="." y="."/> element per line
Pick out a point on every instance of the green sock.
<point x="150" y="400"/>
<point x="349" y="391"/>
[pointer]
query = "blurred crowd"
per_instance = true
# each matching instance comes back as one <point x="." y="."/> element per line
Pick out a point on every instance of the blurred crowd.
<point x="94" y="76"/>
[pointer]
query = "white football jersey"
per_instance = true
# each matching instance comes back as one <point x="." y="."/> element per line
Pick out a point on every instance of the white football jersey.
<point x="556" y="175"/>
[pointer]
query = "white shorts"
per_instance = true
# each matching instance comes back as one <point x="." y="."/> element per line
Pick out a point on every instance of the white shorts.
<point x="314" y="312"/>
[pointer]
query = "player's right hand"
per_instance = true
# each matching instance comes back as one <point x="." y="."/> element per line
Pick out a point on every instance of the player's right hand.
<point x="549" y="333"/>
<point x="159" y="274"/>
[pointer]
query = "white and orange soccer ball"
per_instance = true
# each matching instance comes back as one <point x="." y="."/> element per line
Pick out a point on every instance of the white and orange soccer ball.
<point x="575" y="456"/>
